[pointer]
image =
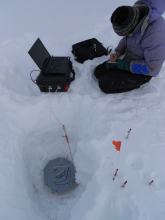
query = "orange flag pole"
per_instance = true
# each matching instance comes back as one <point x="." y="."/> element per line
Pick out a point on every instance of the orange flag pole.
<point x="117" y="145"/>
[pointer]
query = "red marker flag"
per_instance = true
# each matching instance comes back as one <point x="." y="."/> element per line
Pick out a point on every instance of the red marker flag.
<point x="117" y="145"/>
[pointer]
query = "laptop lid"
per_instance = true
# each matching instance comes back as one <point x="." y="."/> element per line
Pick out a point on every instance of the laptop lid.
<point x="39" y="54"/>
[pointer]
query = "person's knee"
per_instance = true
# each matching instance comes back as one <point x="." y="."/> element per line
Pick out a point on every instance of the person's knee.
<point x="103" y="89"/>
<point x="96" y="72"/>
<point x="100" y="70"/>
<point x="104" y="83"/>
<point x="148" y="78"/>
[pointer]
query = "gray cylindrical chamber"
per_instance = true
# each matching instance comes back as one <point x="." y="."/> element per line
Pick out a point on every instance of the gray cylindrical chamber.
<point x="59" y="174"/>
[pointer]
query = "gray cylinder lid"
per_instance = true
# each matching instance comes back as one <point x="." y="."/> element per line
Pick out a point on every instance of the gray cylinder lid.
<point x="59" y="174"/>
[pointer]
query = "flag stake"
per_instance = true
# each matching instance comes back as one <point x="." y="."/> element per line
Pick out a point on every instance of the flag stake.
<point x="115" y="174"/>
<point x="128" y="133"/>
<point x="124" y="183"/>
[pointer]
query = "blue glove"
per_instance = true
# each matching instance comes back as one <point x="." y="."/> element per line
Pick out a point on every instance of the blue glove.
<point x="121" y="65"/>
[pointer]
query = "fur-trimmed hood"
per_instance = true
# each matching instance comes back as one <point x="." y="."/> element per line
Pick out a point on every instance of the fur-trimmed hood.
<point x="156" y="8"/>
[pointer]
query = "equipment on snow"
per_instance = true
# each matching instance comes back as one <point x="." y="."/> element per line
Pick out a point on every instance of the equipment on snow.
<point x="151" y="182"/>
<point x="124" y="183"/>
<point x="59" y="175"/>
<point x="115" y="174"/>
<point x="117" y="145"/>
<point x="88" y="50"/>
<point x="56" y="72"/>
<point x="128" y="133"/>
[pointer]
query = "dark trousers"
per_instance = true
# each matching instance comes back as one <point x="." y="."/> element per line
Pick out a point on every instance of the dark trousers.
<point x="118" y="81"/>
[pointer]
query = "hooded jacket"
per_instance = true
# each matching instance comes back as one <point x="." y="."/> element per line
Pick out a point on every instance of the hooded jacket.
<point x="145" y="47"/>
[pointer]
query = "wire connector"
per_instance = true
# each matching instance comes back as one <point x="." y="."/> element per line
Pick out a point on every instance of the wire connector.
<point x="49" y="88"/>
<point x="94" y="46"/>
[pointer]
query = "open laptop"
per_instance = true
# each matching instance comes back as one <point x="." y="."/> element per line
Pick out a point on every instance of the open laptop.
<point x="58" y="66"/>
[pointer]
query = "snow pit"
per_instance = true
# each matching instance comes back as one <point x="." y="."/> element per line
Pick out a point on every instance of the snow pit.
<point x="40" y="148"/>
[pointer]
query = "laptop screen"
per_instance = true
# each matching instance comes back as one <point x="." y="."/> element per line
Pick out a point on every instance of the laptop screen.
<point x="39" y="53"/>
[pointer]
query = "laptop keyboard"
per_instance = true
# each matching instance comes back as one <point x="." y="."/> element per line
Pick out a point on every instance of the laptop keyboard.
<point x="55" y="64"/>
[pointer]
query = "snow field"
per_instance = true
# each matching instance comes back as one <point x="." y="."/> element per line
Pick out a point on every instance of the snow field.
<point x="31" y="136"/>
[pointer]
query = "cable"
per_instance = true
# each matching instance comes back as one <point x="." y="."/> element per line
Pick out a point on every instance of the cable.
<point x="63" y="126"/>
<point x="34" y="81"/>
<point x="69" y="146"/>
<point x="51" y="105"/>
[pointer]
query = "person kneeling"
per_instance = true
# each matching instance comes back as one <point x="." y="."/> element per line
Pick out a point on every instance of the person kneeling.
<point x="143" y="44"/>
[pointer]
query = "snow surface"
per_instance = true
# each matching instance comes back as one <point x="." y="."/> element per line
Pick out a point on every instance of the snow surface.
<point x="31" y="136"/>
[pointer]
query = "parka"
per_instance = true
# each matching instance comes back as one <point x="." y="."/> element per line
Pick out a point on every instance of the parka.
<point x="145" y="47"/>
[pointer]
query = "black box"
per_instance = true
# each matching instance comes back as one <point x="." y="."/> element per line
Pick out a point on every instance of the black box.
<point x="49" y="83"/>
<point x="88" y="50"/>
<point x="60" y="79"/>
<point x="56" y="72"/>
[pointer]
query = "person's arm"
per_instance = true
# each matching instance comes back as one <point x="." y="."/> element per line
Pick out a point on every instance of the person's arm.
<point x="121" y="46"/>
<point x="120" y="50"/>
<point x="114" y="57"/>
<point x="154" y="55"/>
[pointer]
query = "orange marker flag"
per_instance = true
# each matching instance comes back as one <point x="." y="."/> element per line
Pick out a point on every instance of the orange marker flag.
<point x="117" y="145"/>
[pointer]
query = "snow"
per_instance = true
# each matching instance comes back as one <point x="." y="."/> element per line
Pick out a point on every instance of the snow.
<point x="31" y="135"/>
